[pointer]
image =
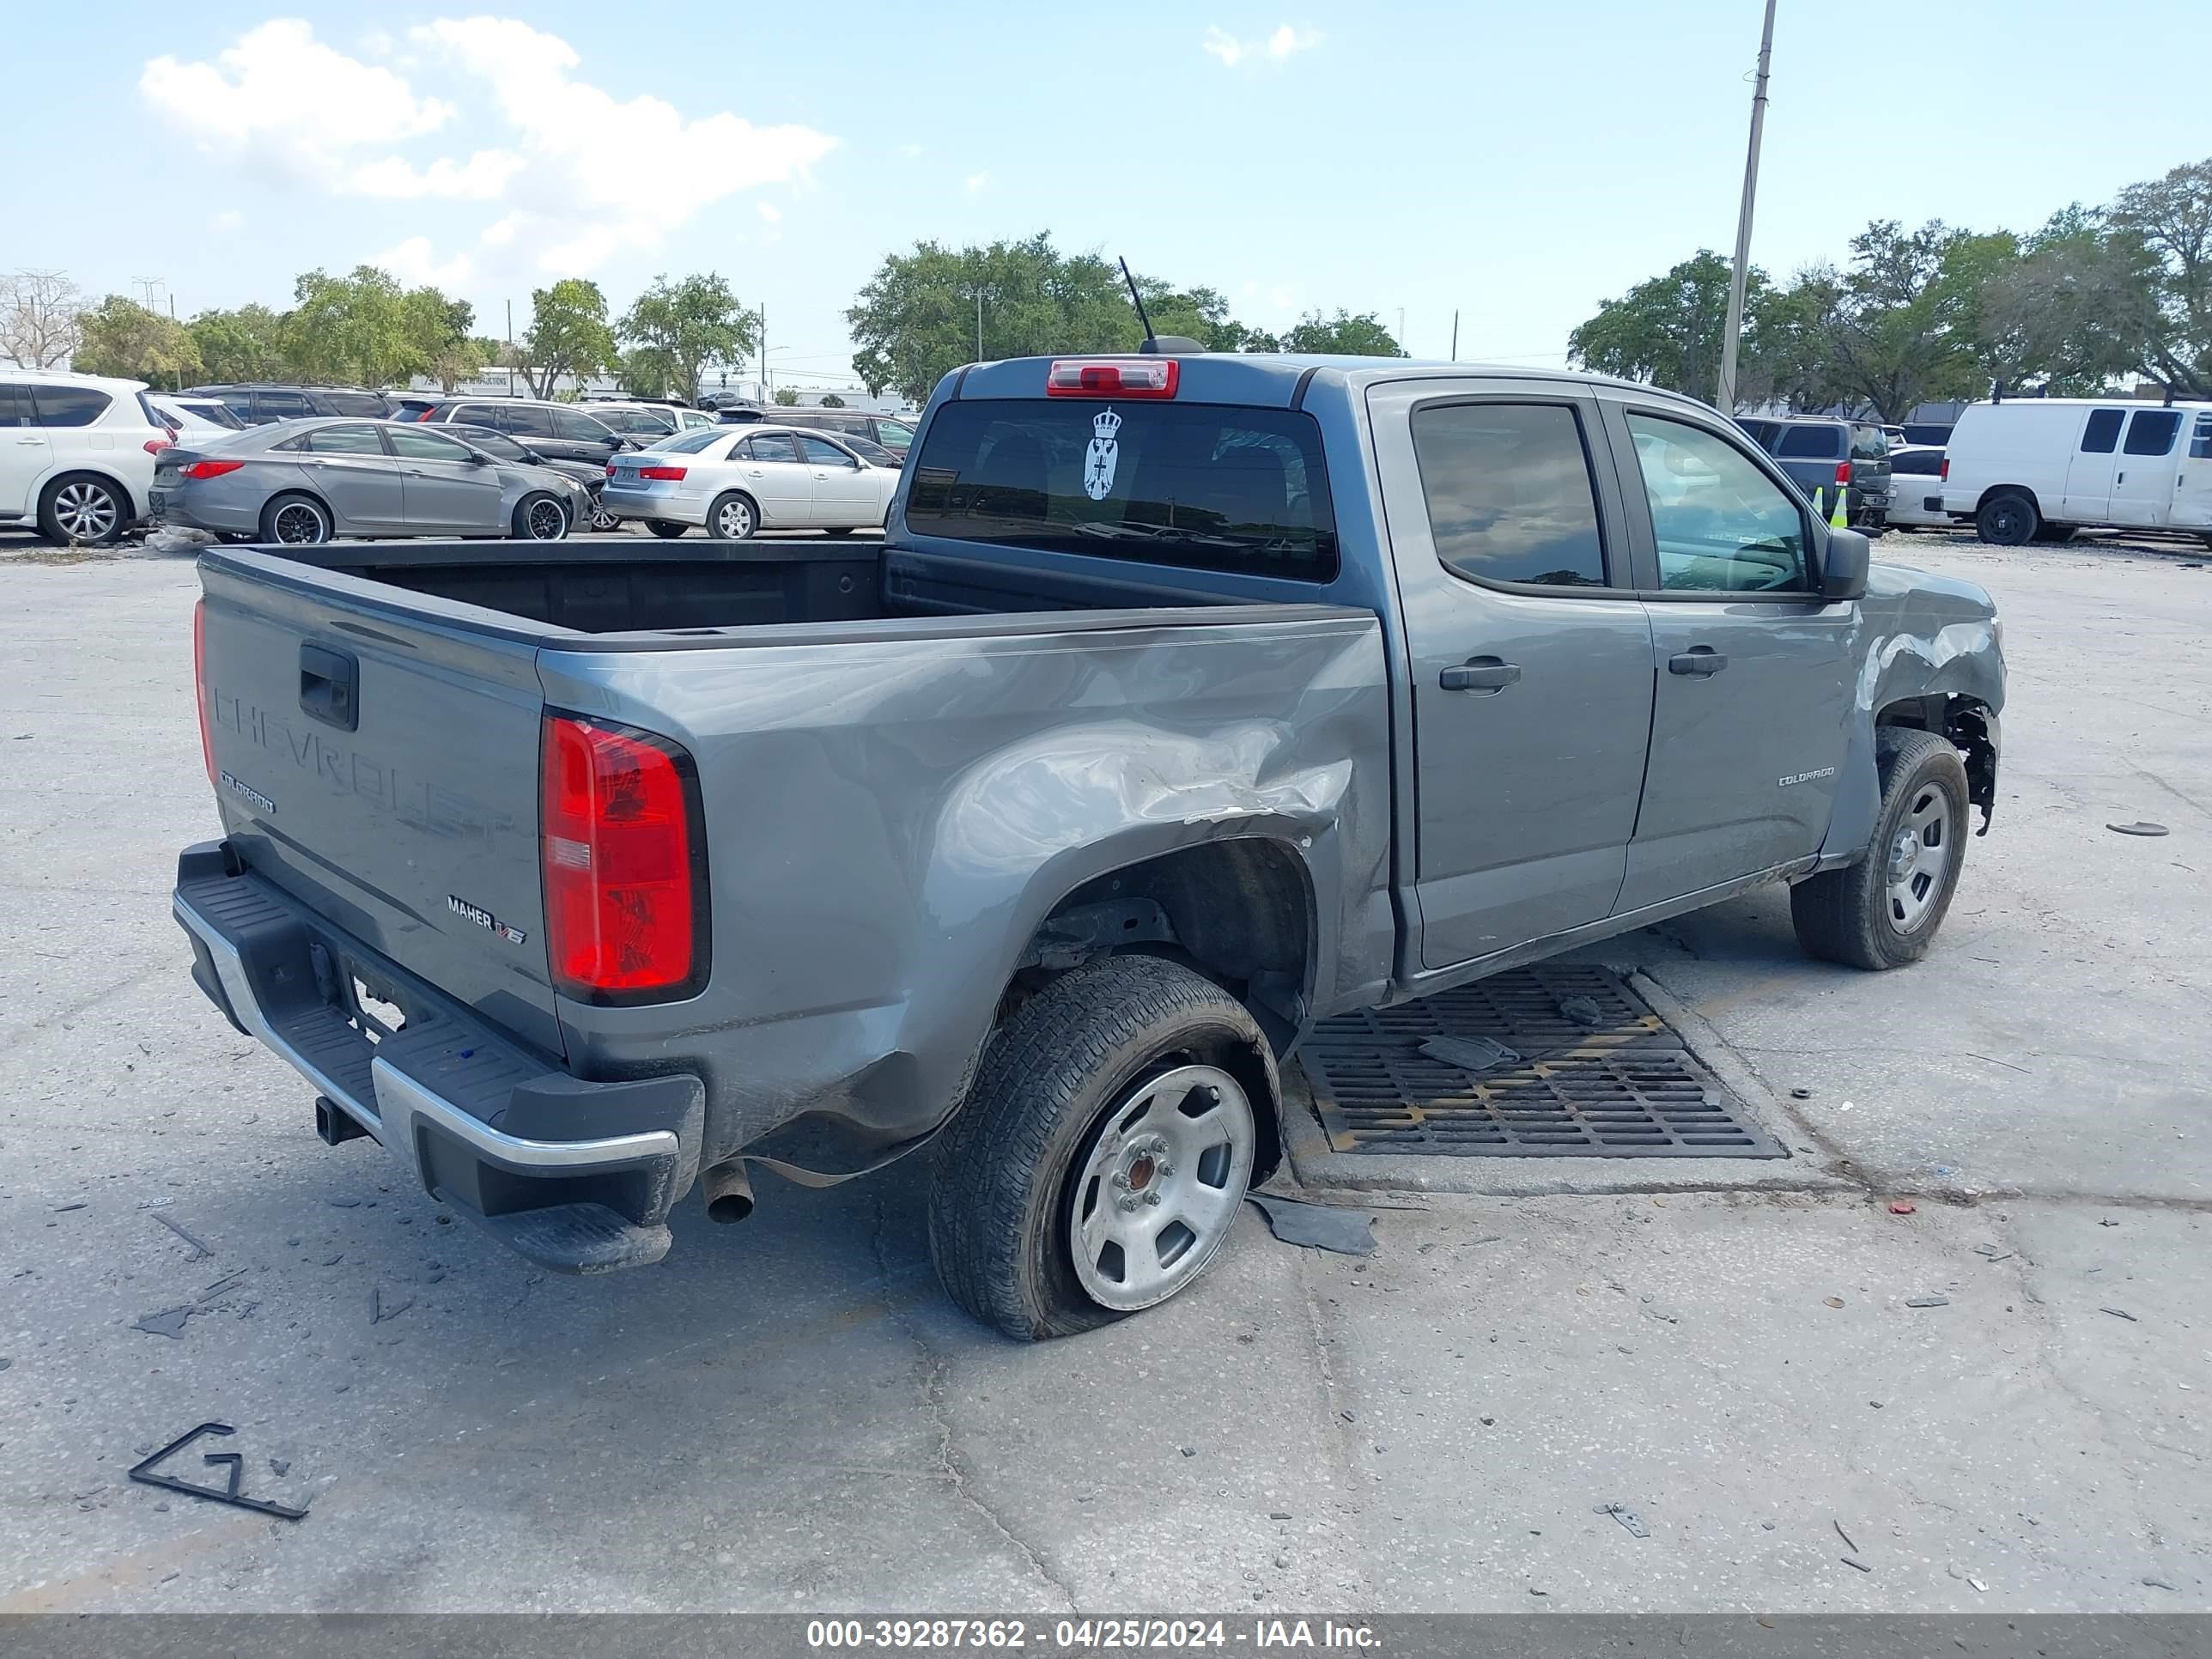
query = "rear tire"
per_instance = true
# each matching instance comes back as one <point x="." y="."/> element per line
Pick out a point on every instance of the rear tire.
<point x="664" y="530"/>
<point x="2007" y="519"/>
<point x="1884" y="911"/>
<point x="1131" y="1087"/>
<point x="82" y="509"/>
<point x="539" y="518"/>
<point x="295" y="520"/>
<point x="732" y="517"/>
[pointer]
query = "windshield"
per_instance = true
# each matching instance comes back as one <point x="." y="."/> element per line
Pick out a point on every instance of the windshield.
<point x="691" y="442"/>
<point x="1212" y="486"/>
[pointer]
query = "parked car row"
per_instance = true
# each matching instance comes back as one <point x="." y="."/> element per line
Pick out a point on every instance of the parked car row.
<point x="735" y="481"/>
<point x="890" y="431"/>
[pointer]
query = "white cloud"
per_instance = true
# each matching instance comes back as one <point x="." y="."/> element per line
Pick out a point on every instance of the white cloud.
<point x="228" y="219"/>
<point x="767" y="211"/>
<point x="977" y="181"/>
<point x="282" y="101"/>
<point x="483" y="178"/>
<point x="413" y="262"/>
<point x="1286" y="39"/>
<point x="910" y="151"/>
<point x="559" y="155"/>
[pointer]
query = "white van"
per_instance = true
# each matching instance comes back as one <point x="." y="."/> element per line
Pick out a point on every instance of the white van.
<point x="2034" y="465"/>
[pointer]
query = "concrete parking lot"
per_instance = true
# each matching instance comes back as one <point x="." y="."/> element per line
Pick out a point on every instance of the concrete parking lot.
<point x="787" y="1416"/>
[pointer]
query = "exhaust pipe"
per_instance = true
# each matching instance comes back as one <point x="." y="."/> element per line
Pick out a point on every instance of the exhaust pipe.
<point x="729" y="1194"/>
<point x="333" y="1123"/>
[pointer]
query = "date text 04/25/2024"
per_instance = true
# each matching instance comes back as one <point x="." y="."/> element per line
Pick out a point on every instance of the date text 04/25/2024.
<point x="1084" y="1635"/>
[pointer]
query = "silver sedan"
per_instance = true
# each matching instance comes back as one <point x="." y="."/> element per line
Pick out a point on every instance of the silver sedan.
<point x="313" y="480"/>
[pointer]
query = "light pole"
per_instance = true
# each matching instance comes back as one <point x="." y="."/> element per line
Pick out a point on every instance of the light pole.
<point x="1734" y="328"/>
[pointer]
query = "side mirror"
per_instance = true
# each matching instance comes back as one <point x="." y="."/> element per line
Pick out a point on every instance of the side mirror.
<point x="1843" y="567"/>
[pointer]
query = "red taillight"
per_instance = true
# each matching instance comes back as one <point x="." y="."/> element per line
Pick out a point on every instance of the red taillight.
<point x="200" y="686"/>
<point x="209" y="469"/>
<point x="155" y="446"/>
<point x="610" y="469"/>
<point x="624" y="877"/>
<point x="1843" y="472"/>
<point x="1129" y="377"/>
<point x="666" y="474"/>
<point x="1944" y="474"/>
<point x="426" y="415"/>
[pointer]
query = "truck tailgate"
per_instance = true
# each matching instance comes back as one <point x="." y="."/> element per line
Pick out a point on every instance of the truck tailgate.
<point x="381" y="768"/>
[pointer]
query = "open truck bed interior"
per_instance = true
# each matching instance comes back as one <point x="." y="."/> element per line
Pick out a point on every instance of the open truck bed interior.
<point x="704" y="588"/>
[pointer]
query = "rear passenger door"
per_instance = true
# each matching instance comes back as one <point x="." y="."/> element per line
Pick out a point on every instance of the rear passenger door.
<point x="2088" y="495"/>
<point x="2142" y="483"/>
<point x="348" y="467"/>
<point x="770" y="470"/>
<point x="1750" y="665"/>
<point x="1530" y="659"/>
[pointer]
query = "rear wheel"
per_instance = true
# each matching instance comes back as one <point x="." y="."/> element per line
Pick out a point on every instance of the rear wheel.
<point x="733" y="518"/>
<point x="1100" y="1161"/>
<point x="82" y="509"/>
<point x="540" y="519"/>
<point x="603" y="521"/>
<point x="2008" y="519"/>
<point x="295" y="520"/>
<point x="1883" y="911"/>
<point x="664" y="530"/>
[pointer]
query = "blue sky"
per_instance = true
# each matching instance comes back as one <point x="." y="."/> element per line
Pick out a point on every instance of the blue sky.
<point x="1518" y="162"/>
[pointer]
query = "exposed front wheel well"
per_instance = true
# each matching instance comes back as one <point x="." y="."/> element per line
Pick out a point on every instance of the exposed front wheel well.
<point x="1965" y="721"/>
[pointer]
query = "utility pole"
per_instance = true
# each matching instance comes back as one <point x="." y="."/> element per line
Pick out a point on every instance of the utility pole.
<point x="1454" y="337"/>
<point x="1733" y="330"/>
<point x="978" y="325"/>
<point x="767" y="391"/>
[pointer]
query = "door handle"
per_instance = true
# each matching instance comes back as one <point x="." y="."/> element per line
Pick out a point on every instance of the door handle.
<point x="30" y="440"/>
<point x="1489" y="675"/>
<point x="1698" y="660"/>
<point x="753" y="472"/>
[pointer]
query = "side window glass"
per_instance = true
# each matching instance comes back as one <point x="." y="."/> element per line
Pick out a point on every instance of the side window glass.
<point x="1808" y="443"/>
<point x="1509" y="493"/>
<point x="347" y="439"/>
<point x="68" y="406"/>
<point x="15" y="407"/>
<point x="773" y="446"/>
<point x="2102" y="435"/>
<point x="2200" y="440"/>
<point x="577" y="428"/>
<point x="818" y="453"/>
<point x="894" y="433"/>
<point x="285" y="406"/>
<point x="417" y="443"/>
<point x="1723" y="525"/>
<point x="2153" y="431"/>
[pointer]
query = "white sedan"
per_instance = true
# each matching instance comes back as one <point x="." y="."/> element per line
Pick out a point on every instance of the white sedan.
<point x="1915" y="488"/>
<point x="734" y="480"/>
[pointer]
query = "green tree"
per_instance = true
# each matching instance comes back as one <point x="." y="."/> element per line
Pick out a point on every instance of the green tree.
<point x="245" y="344"/>
<point x="679" y="328"/>
<point x="568" y="333"/>
<point x="2077" y="310"/>
<point x="832" y="400"/>
<point x="645" y="371"/>
<point x="2167" y="224"/>
<point x="1897" y="338"/>
<point x="786" y="397"/>
<point x="361" y="327"/>
<point x="123" y="338"/>
<point x="1343" y="335"/>
<point x="1665" y="330"/>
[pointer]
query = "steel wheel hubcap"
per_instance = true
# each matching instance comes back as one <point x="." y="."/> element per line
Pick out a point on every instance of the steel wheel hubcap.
<point x="737" y="519"/>
<point x="298" y="522"/>
<point x="1160" y="1190"/>
<point x="546" y="521"/>
<point x="85" y="512"/>
<point x="1919" y="857"/>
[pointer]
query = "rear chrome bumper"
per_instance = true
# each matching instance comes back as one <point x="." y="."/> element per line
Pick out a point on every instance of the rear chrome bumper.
<point x="577" y="1175"/>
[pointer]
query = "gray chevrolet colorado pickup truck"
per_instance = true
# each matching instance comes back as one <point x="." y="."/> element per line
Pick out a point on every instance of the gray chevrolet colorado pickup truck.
<point x="1186" y="702"/>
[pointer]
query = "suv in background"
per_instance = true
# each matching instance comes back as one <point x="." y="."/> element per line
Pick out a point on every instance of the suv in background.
<point x="642" y="421"/>
<point x="78" y="453"/>
<point x="560" y="432"/>
<point x="258" y="404"/>
<point x="1828" y="456"/>
<point x="895" y="433"/>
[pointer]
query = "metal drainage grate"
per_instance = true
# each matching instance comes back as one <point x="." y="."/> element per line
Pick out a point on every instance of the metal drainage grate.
<point x="1616" y="1083"/>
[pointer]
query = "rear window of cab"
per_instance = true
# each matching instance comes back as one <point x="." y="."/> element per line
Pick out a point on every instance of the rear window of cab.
<point x="1202" y="486"/>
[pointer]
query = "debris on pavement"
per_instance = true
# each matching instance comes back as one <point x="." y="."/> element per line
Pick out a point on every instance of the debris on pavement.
<point x="1848" y="1562"/>
<point x="1991" y="1252"/>
<point x="1470" y="1053"/>
<point x="222" y="1286"/>
<point x="64" y="1209"/>
<point x="170" y="1321"/>
<point x="2140" y="827"/>
<point x="1584" y="1010"/>
<point x="181" y="1232"/>
<point x="2121" y="1313"/>
<point x="2159" y="1584"/>
<point x="1832" y="1301"/>
<point x="1927" y="1301"/>
<point x="1902" y="1206"/>
<point x="1845" y="1536"/>
<point x="1317" y="1226"/>
<point x="1627" y="1518"/>
<point x="1801" y="1094"/>
<point x="381" y="1308"/>
<point x="142" y="1472"/>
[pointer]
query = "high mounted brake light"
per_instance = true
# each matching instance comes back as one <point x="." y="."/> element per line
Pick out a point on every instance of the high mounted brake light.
<point x="624" y="861"/>
<point x="1113" y="377"/>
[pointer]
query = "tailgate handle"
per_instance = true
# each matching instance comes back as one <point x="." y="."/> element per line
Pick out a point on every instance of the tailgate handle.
<point x="328" y="683"/>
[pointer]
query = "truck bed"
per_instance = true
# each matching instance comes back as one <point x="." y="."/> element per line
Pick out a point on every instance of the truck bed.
<point x="704" y="588"/>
